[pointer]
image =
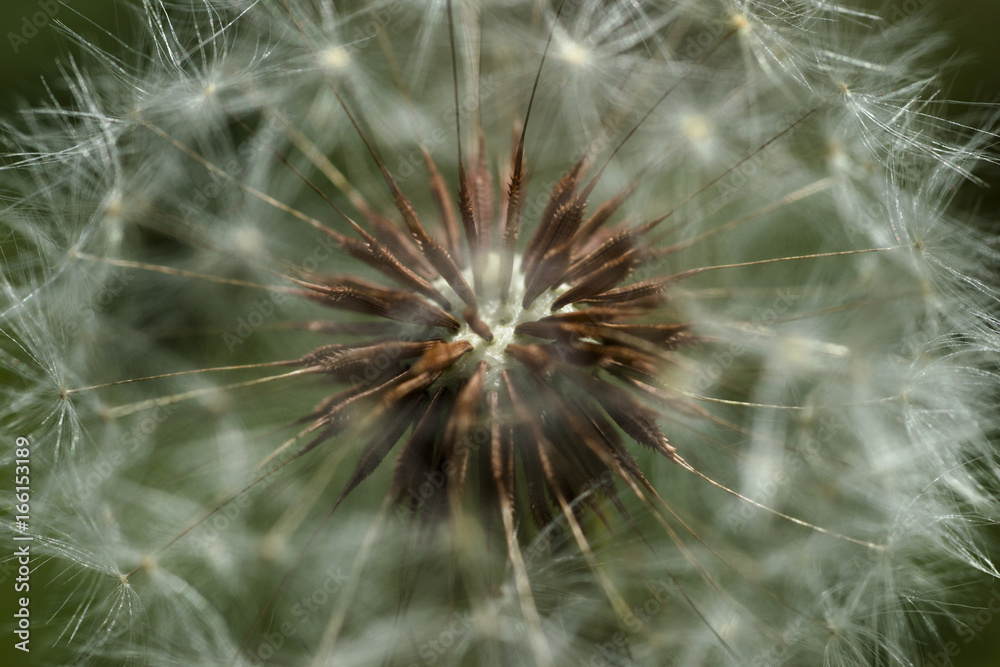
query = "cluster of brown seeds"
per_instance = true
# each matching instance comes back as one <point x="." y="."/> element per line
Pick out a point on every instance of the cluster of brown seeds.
<point x="552" y="382"/>
<point x="549" y="384"/>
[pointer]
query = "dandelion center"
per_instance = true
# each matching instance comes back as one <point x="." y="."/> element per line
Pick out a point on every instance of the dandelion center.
<point x="540" y="354"/>
<point x="502" y="319"/>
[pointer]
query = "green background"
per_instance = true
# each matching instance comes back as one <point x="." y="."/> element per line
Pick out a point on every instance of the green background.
<point x="973" y="25"/>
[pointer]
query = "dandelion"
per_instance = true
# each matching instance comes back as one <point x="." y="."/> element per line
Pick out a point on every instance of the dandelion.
<point x="505" y="333"/>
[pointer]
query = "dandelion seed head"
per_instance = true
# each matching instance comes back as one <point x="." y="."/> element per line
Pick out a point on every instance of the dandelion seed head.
<point x="114" y="206"/>
<point x="697" y="128"/>
<point x="149" y="564"/>
<point x="740" y="22"/>
<point x="502" y="319"/>
<point x="574" y="53"/>
<point x="335" y="57"/>
<point x="727" y="391"/>
<point x="248" y="240"/>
